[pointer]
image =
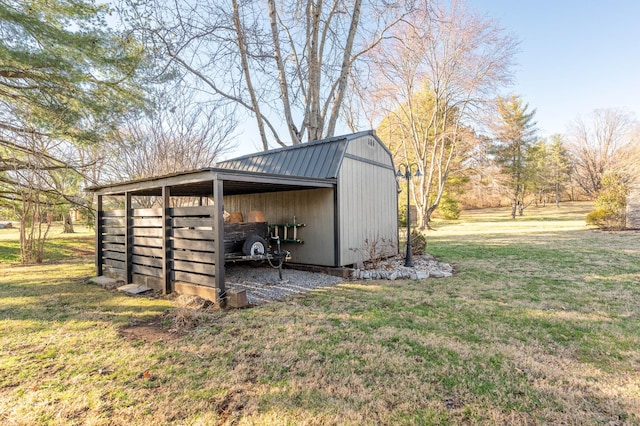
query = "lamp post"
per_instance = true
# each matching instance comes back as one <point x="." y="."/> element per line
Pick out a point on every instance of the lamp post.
<point x="408" y="175"/>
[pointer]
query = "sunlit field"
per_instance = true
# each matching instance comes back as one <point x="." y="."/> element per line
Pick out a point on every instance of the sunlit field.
<point x="539" y="325"/>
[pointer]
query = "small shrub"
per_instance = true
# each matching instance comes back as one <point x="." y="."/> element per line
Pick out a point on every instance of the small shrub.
<point x="375" y="250"/>
<point x="596" y="217"/>
<point x="610" y="204"/>
<point x="449" y="208"/>
<point x="604" y="219"/>
<point x="418" y="243"/>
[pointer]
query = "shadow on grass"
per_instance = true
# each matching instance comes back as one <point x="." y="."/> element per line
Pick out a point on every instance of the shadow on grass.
<point x="62" y="291"/>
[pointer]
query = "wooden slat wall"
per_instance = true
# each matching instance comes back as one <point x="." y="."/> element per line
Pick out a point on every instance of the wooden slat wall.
<point x="146" y="251"/>
<point x="112" y="229"/>
<point x="192" y="245"/>
<point x="191" y="239"/>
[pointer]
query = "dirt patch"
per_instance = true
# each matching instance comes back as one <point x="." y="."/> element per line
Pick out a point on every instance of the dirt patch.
<point x="230" y="405"/>
<point x="149" y="331"/>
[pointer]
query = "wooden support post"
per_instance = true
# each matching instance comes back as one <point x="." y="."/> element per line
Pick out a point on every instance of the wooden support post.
<point x="166" y="244"/>
<point x="218" y="220"/>
<point x="99" y="232"/>
<point x="128" y="238"/>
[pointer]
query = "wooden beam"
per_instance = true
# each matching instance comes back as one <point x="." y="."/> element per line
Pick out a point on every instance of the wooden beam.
<point x="166" y="244"/>
<point x="208" y="293"/>
<point x="190" y="211"/>
<point x="218" y="221"/>
<point x="99" y="235"/>
<point x="128" y="237"/>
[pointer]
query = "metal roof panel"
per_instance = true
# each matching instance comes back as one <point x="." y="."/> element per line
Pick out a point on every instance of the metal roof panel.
<point x="318" y="159"/>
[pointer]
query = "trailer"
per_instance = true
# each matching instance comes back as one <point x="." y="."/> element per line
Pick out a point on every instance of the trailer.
<point x="251" y="241"/>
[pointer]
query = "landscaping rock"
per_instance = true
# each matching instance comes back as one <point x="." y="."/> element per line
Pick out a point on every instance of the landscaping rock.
<point x="425" y="266"/>
<point x="133" y="289"/>
<point x="106" y="282"/>
<point x="422" y="275"/>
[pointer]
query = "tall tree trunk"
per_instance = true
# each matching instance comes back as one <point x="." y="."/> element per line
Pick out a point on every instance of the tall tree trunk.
<point x="314" y="119"/>
<point x="521" y="205"/>
<point x="514" y="202"/>
<point x="67" y="224"/>
<point x="284" y="86"/>
<point x="247" y="74"/>
<point x="344" y="71"/>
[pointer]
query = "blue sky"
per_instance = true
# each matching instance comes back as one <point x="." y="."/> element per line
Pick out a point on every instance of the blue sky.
<point x="575" y="56"/>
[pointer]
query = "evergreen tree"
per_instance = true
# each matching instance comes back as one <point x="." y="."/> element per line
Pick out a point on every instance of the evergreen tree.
<point x="514" y="132"/>
<point x="62" y="72"/>
<point x="65" y="79"/>
<point x="560" y="166"/>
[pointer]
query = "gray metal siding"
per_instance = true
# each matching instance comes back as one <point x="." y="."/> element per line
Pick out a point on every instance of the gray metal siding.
<point x="368" y="201"/>
<point x="370" y="148"/>
<point x="312" y="207"/>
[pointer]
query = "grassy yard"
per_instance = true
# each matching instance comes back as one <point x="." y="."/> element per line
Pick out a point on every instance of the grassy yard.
<point x="540" y="325"/>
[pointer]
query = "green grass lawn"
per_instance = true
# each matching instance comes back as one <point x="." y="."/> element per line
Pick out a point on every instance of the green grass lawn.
<point x="59" y="246"/>
<point x="539" y="325"/>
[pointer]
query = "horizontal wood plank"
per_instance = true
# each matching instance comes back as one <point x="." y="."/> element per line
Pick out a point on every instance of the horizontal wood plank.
<point x="192" y="211"/>
<point x="146" y="270"/>
<point x="147" y="261"/>
<point x="156" y="211"/>
<point x="147" y="241"/>
<point x="114" y="255"/>
<point x="113" y="221"/>
<point x="119" y="248"/>
<point x="115" y="263"/>
<point x="206" y="292"/>
<point x="113" y="239"/>
<point x="147" y="232"/>
<point x="192" y="222"/>
<point x="113" y="230"/>
<point x="193" y="234"/>
<point x="155" y="222"/>
<point x="147" y="251"/>
<point x="199" y="268"/>
<point x="194" y="256"/>
<point x="207" y="246"/>
<point x="112" y="272"/>
<point x="189" y="277"/>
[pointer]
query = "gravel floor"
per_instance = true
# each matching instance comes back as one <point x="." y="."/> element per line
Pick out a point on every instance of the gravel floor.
<point x="263" y="284"/>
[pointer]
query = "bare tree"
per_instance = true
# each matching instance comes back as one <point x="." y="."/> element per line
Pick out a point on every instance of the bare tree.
<point x="627" y="161"/>
<point x="178" y="135"/>
<point x="595" y="142"/>
<point x="35" y="183"/>
<point x="286" y="63"/>
<point x="442" y="67"/>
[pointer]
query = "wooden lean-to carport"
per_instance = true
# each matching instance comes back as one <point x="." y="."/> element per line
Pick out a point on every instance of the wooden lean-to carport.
<point x="177" y="248"/>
